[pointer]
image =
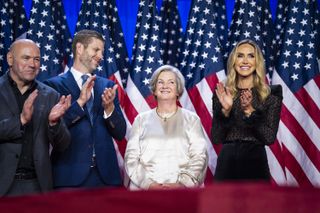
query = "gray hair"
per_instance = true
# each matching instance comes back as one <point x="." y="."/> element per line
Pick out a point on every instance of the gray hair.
<point x="168" y="68"/>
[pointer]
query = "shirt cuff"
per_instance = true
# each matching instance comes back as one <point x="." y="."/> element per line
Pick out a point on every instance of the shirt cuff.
<point x="146" y="184"/>
<point x="186" y="180"/>
<point x="105" y="115"/>
<point x="55" y="127"/>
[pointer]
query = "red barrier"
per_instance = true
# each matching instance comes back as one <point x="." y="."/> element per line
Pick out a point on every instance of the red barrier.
<point x="231" y="197"/>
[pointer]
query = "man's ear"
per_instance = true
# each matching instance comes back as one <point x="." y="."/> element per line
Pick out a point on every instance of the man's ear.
<point x="79" y="48"/>
<point x="10" y="58"/>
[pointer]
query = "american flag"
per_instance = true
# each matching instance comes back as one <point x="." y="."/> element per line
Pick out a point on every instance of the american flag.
<point x="146" y="58"/>
<point x="280" y="22"/>
<point x="6" y="35"/>
<point x="18" y="18"/>
<point x="62" y="32"/>
<point x="118" y="42"/>
<point x="202" y="67"/>
<point x="119" y="51"/>
<point x="298" y="73"/>
<point x="170" y="33"/>
<point x="316" y="21"/>
<point x="221" y="21"/>
<point x="93" y="16"/>
<point x="45" y="31"/>
<point x="252" y="20"/>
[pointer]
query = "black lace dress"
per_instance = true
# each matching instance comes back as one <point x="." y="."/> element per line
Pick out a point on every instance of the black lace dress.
<point x="243" y="155"/>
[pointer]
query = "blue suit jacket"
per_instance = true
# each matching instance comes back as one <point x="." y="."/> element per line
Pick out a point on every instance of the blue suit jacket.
<point x="71" y="167"/>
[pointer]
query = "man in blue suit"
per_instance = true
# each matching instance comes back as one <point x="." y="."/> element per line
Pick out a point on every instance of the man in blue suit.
<point x="93" y="119"/>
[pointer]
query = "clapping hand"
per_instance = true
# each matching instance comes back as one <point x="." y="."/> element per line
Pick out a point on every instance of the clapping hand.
<point x="27" y="110"/>
<point x="246" y="101"/>
<point x="108" y="97"/>
<point x="86" y="89"/>
<point x="225" y="98"/>
<point x="59" y="109"/>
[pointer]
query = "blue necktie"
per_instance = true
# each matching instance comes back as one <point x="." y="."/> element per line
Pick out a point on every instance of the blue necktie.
<point x="89" y="106"/>
<point x="89" y="103"/>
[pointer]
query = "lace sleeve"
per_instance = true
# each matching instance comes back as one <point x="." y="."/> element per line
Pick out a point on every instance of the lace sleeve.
<point x="220" y="123"/>
<point x="264" y="122"/>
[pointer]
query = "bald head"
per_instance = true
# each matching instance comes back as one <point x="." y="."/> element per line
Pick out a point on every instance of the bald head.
<point x="24" y="61"/>
<point x="20" y="42"/>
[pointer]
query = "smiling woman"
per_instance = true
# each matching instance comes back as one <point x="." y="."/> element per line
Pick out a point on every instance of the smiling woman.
<point x="246" y="114"/>
<point x="166" y="147"/>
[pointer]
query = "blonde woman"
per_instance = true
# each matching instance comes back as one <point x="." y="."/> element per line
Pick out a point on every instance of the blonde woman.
<point x="246" y="113"/>
<point x="166" y="147"/>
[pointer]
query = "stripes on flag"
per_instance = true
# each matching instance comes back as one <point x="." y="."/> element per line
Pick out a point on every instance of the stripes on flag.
<point x="252" y="20"/>
<point x="118" y="42"/>
<point x="145" y="60"/>
<point x="202" y="67"/>
<point x="93" y="15"/>
<point x="294" y="159"/>
<point x="298" y="73"/>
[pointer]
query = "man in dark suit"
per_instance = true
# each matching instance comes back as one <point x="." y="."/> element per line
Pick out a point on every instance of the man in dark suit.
<point x="93" y="119"/>
<point x="29" y="122"/>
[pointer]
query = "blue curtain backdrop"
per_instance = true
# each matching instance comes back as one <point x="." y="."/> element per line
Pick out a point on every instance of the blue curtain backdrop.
<point x="128" y="12"/>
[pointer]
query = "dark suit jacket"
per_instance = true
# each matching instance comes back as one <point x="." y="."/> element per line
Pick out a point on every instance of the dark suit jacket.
<point x="71" y="167"/>
<point x="10" y="131"/>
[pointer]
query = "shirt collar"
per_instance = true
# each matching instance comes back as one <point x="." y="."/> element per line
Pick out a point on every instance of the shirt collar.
<point x="76" y="74"/>
<point x="32" y="85"/>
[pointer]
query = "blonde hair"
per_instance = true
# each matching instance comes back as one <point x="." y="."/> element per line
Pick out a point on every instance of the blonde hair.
<point x="259" y="76"/>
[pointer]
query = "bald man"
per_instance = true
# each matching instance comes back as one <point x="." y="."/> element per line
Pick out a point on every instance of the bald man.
<point x="30" y="121"/>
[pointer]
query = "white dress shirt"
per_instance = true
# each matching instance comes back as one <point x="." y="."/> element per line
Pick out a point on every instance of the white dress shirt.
<point x="77" y="76"/>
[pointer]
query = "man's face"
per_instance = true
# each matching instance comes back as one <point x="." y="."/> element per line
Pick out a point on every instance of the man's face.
<point x="91" y="56"/>
<point x="24" y="62"/>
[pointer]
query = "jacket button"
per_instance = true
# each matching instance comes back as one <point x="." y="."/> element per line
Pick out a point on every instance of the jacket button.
<point x="17" y="156"/>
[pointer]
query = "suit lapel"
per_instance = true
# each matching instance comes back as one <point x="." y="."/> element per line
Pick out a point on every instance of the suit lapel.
<point x="70" y="83"/>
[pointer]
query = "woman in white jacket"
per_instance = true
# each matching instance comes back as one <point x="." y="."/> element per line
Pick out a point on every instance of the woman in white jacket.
<point x="166" y="147"/>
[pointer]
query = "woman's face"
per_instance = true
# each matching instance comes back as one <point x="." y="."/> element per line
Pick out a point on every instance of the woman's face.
<point x="166" y="86"/>
<point x="245" y="63"/>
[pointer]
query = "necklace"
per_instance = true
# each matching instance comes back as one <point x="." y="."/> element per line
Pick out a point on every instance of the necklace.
<point x="166" y="116"/>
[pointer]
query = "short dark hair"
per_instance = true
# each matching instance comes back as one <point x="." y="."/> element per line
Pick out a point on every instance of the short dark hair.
<point x="85" y="37"/>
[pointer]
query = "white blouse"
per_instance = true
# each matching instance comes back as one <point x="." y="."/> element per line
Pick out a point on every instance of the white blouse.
<point x="171" y="151"/>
